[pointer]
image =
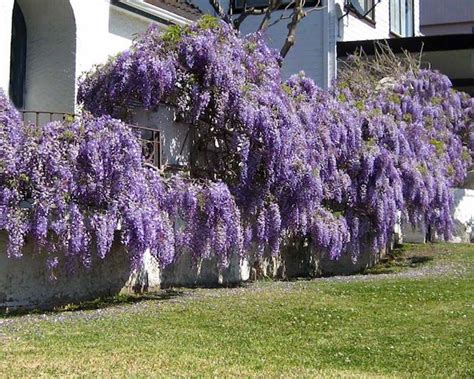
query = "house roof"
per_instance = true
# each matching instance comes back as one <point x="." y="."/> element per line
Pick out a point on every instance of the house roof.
<point x="411" y="44"/>
<point x="162" y="10"/>
<point x="182" y="8"/>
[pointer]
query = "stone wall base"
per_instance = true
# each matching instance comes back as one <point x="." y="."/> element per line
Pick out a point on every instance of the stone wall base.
<point x="26" y="282"/>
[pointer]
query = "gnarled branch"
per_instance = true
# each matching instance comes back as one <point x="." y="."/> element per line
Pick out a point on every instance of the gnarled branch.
<point x="216" y="5"/>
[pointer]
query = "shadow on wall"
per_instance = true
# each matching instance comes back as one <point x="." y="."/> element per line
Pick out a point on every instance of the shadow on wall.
<point x="122" y="25"/>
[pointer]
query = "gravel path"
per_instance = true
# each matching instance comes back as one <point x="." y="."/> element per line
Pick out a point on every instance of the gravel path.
<point x="452" y="270"/>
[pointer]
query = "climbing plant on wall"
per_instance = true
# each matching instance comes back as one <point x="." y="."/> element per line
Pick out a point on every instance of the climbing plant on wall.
<point x="336" y="166"/>
<point x="70" y="186"/>
<point x="284" y="159"/>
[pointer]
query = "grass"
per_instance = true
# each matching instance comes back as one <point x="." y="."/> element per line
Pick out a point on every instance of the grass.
<point x="417" y="255"/>
<point x="368" y="326"/>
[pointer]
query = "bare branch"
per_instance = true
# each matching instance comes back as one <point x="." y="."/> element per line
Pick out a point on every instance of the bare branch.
<point x="297" y="16"/>
<point x="247" y="12"/>
<point x="283" y="15"/>
<point x="316" y="7"/>
<point x="272" y="5"/>
<point x="220" y="11"/>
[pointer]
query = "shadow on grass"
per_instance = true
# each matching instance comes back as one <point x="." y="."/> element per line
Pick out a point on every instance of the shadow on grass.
<point x="99" y="303"/>
<point x="419" y="260"/>
<point x="399" y="260"/>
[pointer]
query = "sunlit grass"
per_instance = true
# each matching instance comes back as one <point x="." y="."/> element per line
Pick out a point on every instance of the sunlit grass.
<point x="390" y="326"/>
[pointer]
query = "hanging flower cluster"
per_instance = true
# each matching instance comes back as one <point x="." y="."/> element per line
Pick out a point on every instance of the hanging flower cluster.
<point x="335" y="166"/>
<point x="277" y="160"/>
<point x="71" y="186"/>
<point x="426" y="131"/>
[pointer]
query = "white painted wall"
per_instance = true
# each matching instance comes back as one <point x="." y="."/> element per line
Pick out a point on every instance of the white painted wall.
<point x="65" y="38"/>
<point x="6" y="10"/>
<point x="103" y="30"/>
<point x="446" y="17"/>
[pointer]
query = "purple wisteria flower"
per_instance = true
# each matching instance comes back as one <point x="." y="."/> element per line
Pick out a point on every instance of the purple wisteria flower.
<point x="283" y="159"/>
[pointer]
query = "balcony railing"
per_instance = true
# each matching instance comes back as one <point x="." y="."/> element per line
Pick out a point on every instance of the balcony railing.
<point x="151" y="144"/>
<point x="151" y="139"/>
<point x="41" y="117"/>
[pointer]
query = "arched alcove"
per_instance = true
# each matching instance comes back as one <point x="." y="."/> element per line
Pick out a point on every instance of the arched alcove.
<point x="49" y="73"/>
<point x="18" y="57"/>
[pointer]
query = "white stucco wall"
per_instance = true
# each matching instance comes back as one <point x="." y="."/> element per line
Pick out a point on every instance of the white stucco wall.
<point x="64" y="39"/>
<point x="103" y="30"/>
<point x="6" y="10"/>
<point x="175" y="138"/>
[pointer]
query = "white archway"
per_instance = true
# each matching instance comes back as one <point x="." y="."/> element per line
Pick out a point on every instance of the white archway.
<point x="50" y="74"/>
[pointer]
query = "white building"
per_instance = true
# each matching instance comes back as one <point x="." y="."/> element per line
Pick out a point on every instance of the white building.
<point x="45" y="45"/>
<point x="446" y="17"/>
<point x="332" y="21"/>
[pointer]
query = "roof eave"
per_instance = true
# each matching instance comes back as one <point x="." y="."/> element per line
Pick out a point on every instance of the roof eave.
<point x="159" y="14"/>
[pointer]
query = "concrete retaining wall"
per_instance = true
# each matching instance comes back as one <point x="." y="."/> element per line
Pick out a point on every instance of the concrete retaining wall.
<point x="299" y="259"/>
<point x="26" y="283"/>
<point x="186" y="272"/>
<point x="463" y="215"/>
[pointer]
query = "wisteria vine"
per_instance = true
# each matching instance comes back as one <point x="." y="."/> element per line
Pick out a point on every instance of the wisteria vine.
<point x="335" y="166"/>
<point x="278" y="159"/>
<point x="73" y="186"/>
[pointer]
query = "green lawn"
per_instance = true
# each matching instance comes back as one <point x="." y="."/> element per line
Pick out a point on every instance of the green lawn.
<point x="415" y="322"/>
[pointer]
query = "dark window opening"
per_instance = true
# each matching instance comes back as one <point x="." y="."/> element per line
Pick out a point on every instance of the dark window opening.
<point x="150" y="139"/>
<point x="18" y="57"/>
<point x="366" y="8"/>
